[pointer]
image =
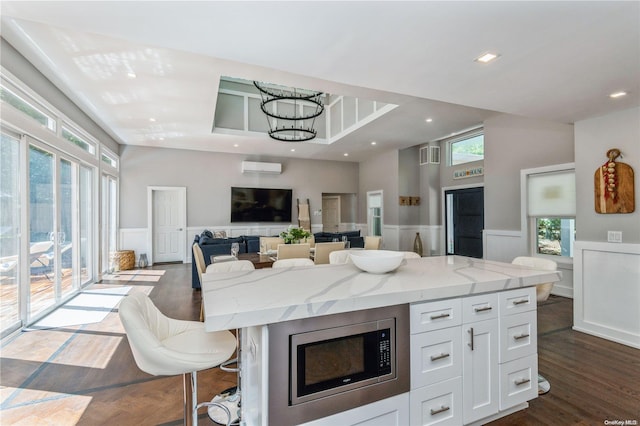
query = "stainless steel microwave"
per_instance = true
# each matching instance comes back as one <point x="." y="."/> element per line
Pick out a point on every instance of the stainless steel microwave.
<point x="323" y="365"/>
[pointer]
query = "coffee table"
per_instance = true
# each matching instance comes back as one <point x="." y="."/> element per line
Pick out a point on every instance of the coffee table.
<point x="259" y="260"/>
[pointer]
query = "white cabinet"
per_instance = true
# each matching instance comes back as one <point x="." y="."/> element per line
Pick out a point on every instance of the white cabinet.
<point x="480" y="371"/>
<point x="473" y="357"/>
<point x="439" y="404"/>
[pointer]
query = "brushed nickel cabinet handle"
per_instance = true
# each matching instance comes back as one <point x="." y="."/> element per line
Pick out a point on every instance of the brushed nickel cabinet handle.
<point x="484" y="308"/>
<point x="437" y="357"/>
<point x="442" y="409"/>
<point x="522" y="336"/>
<point x="520" y="302"/>
<point x="471" y="344"/>
<point x="433" y="317"/>
<point x="521" y="382"/>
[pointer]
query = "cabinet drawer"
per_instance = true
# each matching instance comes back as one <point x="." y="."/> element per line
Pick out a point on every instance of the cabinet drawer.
<point x="518" y="336"/>
<point x="435" y="315"/>
<point x="439" y="404"/>
<point x="518" y="381"/>
<point x="479" y="308"/>
<point x="435" y="356"/>
<point x="516" y="301"/>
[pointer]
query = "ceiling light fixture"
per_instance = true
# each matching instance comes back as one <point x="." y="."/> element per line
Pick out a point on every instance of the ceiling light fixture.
<point x="429" y="120"/>
<point x="373" y="143"/>
<point x="152" y="119"/>
<point x="131" y="74"/>
<point x="617" y="94"/>
<point x="346" y="154"/>
<point x="277" y="103"/>
<point x="487" y="57"/>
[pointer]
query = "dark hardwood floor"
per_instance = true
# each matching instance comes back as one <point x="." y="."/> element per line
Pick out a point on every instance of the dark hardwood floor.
<point x="86" y="375"/>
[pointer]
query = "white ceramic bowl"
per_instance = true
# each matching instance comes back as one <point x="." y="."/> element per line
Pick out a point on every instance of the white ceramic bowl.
<point x="377" y="261"/>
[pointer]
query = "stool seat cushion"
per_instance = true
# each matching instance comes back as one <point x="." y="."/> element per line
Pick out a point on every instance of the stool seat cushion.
<point x="164" y="346"/>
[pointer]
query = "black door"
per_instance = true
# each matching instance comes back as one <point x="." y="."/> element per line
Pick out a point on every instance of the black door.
<point x="465" y="221"/>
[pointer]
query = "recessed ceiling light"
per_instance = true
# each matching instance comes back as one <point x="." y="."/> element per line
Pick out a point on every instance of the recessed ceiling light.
<point x="293" y="150"/>
<point x="374" y="143"/>
<point x="617" y="94"/>
<point x="235" y="145"/>
<point x="346" y="154"/>
<point x="152" y="119"/>
<point x="429" y="120"/>
<point x="161" y="138"/>
<point x="487" y="57"/>
<point x="131" y="74"/>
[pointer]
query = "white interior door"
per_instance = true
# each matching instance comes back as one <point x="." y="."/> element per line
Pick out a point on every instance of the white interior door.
<point x="330" y="214"/>
<point x="168" y="223"/>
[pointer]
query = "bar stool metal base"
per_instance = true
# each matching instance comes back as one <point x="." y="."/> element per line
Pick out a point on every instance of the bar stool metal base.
<point x="227" y="406"/>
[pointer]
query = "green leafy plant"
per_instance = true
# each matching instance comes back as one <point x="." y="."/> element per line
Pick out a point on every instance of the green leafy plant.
<point x="294" y="235"/>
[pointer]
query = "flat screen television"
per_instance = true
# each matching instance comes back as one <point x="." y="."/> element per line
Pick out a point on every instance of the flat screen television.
<point x="260" y="205"/>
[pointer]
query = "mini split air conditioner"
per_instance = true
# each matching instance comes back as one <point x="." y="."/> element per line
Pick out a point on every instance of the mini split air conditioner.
<point x="256" y="167"/>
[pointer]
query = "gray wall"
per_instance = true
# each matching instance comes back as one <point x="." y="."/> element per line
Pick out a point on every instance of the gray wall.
<point x="380" y="172"/>
<point x="208" y="178"/>
<point x="22" y="69"/>
<point x="512" y="143"/>
<point x="594" y="137"/>
<point x="409" y="184"/>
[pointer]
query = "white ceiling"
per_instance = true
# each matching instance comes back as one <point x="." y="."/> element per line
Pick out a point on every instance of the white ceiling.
<point x="559" y="61"/>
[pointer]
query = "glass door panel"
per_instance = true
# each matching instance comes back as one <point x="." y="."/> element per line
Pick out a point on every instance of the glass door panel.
<point x="9" y="233"/>
<point x="66" y="273"/>
<point x="85" y="210"/>
<point x="41" y="230"/>
<point x="109" y="221"/>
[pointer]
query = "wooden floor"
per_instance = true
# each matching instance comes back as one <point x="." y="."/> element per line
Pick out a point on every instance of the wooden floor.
<point x="85" y="374"/>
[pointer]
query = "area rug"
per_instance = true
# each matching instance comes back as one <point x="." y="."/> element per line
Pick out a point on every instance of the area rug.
<point x="88" y="307"/>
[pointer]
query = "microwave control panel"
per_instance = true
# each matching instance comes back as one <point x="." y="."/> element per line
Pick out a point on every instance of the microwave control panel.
<point x="384" y="342"/>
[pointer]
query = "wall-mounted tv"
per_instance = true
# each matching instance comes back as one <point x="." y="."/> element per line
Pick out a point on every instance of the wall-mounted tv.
<point x="260" y="205"/>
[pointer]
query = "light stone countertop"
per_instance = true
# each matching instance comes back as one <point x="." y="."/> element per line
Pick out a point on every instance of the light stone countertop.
<point x="266" y="296"/>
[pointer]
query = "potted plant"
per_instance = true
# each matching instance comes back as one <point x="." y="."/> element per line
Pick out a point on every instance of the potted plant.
<point x="293" y="235"/>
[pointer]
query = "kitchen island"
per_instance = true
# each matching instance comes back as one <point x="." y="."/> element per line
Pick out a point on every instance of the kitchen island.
<point x="251" y="301"/>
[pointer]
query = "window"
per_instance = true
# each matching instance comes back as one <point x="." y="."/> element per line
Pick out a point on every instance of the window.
<point x="11" y="98"/>
<point x="77" y="140"/>
<point x="550" y="209"/>
<point x="466" y="148"/>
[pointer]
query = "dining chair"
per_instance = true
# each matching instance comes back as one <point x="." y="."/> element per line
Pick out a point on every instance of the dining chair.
<point x="236" y="265"/>
<point x="292" y="262"/>
<point x="288" y="251"/>
<point x="339" y="257"/>
<point x="271" y="243"/>
<point x="542" y="293"/>
<point x="323" y="250"/>
<point x="372" y="242"/>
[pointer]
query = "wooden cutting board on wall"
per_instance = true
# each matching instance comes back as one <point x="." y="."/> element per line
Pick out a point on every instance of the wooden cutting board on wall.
<point x="613" y="186"/>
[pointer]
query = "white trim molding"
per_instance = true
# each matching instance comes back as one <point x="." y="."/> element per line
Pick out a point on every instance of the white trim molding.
<point x="607" y="291"/>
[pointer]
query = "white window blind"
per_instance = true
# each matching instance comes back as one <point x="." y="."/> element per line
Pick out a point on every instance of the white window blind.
<point x="552" y="194"/>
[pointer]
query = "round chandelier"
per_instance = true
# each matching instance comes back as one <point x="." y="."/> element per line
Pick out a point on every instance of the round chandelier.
<point x="290" y="112"/>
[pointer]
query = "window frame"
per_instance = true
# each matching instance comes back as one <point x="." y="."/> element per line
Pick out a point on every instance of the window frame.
<point x="469" y="134"/>
<point x="528" y="223"/>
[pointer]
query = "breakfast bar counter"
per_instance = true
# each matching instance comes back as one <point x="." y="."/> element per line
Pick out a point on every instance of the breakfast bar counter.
<point x="331" y="344"/>
<point x="267" y="296"/>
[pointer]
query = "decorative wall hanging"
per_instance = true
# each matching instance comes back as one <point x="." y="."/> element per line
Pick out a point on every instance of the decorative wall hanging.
<point x="613" y="183"/>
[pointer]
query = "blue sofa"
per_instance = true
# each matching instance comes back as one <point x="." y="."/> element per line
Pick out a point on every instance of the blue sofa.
<point x="354" y="238"/>
<point x="211" y="246"/>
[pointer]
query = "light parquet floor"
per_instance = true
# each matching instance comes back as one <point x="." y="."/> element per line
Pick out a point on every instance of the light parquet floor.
<point x="86" y="375"/>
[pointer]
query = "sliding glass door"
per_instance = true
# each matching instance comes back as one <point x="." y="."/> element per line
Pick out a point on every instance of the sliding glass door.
<point x="10" y="193"/>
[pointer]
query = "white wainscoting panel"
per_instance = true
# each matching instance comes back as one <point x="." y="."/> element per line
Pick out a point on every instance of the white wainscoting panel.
<point x="503" y="246"/>
<point x="430" y="236"/>
<point x="134" y="239"/>
<point x="607" y="291"/>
